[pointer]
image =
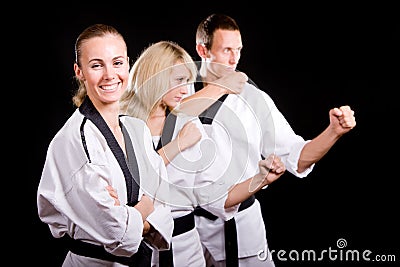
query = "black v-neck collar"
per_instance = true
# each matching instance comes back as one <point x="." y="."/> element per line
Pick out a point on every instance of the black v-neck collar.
<point x="90" y="112"/>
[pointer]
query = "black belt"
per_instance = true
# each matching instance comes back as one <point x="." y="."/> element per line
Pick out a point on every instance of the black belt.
<point x="231" y="248"/>
<point x="142" y="258"/>
<point x="181" y="225"/>
<point x="198" y="211"/>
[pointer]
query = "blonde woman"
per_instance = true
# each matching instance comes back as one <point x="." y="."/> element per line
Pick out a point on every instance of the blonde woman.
<point x="160" y="78"/>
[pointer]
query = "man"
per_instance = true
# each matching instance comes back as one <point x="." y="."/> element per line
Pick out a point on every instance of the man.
<point x="247" y="127"/>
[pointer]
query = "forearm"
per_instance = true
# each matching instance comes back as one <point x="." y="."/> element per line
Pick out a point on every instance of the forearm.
<point x="242" y="191"/>
<point x="201" y="100"/>
<point x="314" y="150"/>
<point x="169" y="151"/>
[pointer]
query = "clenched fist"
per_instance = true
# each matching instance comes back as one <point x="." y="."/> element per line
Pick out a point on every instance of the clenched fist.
<point x="233" y="82"/>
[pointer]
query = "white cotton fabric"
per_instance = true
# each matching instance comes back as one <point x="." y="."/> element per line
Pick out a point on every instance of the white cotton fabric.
<point x="72" y="197"/>
<point x="183" y="174"/>
<point x="247" y="125"/>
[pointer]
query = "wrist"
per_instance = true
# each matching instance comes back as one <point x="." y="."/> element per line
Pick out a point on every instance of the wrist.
<point x="260" y="180"/>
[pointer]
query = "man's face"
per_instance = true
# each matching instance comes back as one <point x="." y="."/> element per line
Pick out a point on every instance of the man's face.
<point x="225" y="52"/>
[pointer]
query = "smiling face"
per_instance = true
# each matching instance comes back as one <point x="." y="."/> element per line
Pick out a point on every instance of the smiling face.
<point x="179" y="86"/>
<point x="104" y="68"/>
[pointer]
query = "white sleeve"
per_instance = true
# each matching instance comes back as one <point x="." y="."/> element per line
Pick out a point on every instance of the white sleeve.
<point x="73" y="200"/>
<point x="286" y="143"/>
<point x="161" y="218"/>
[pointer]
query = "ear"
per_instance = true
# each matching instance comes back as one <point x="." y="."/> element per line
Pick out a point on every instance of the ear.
<point x="78" y="72"/>
<point x="201" y="50"/>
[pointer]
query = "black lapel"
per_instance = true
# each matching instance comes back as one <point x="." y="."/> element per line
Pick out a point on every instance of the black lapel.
<point x="207" y="116"/>
<point x="132" y="185"/>
<point x="168" y="129"/>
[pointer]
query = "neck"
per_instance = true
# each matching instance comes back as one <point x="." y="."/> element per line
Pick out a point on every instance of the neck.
<point x="206" y="74"/>
<point x="110" y="113"/>
<point x="158" y="111"/>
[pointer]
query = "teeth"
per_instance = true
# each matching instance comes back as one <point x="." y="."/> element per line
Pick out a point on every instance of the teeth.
<point x="109" y="87"/>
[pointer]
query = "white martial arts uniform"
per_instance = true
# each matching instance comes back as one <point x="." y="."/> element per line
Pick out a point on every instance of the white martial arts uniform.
<point x="246" y="126"/>
<point x="72" y="197"/>
<point x="186" y="192"/>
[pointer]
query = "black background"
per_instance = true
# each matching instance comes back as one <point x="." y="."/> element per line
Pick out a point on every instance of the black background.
<point x="308" y="58"/>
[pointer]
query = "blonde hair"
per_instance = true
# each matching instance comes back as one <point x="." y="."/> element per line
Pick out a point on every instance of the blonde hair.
<point x="149" y="77"/>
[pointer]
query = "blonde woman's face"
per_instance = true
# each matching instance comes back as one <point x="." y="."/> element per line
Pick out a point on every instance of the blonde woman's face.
<point x="104" y="68"/>
<point x="179" y="85"/>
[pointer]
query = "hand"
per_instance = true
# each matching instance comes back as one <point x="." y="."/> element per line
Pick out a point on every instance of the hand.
<point x="146" y="228"/>
<point x="188" y="135"/>
<point x="113" y="194"/>
<point x="145" y="206"/>
<point x="270" y="169"/>
<point x="232" y="81"/>
<point x="342" y="120"/>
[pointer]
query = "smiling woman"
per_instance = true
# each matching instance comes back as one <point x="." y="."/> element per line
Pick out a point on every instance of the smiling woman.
<point x="88" y="185"/>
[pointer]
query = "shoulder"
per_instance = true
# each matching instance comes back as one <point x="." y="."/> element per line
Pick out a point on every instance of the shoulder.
<point x="132" y="122"/>
<point x="136" y="127"/>
<point x="72" y="139"/>
<point x="126" y="119"/>
<point x="252" y="89"/>
<point x="183" y="118"/>
<point x="71" y="130"/>
<point x="254" y="94"/>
